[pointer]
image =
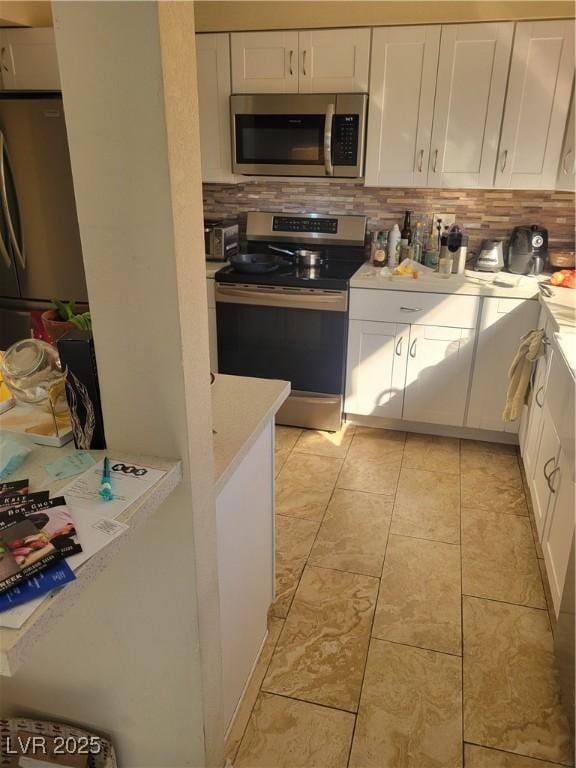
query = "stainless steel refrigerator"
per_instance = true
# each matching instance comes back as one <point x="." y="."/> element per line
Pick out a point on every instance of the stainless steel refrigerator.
<point x="40" y="251"/>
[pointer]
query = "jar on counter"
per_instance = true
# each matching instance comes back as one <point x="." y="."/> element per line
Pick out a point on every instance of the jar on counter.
<point x="31" y="370"/>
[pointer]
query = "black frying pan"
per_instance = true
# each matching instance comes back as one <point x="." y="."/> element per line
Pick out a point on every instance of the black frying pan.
<point x="255" y="263"/>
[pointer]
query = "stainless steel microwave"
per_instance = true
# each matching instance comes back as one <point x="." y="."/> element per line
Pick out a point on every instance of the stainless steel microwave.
<point x="287" y="134"/>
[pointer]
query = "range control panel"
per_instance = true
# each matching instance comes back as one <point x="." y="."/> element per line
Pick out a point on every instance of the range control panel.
<point x="300" y="224"/>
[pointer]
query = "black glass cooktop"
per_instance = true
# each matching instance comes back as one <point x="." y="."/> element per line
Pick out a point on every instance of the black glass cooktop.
<point x="330" y="275"/>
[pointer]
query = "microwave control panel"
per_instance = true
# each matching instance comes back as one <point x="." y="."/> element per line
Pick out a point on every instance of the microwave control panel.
<point x="345" y="139"/>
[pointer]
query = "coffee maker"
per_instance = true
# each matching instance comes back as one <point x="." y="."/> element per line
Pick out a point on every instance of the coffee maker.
<point x="527" y="250"/>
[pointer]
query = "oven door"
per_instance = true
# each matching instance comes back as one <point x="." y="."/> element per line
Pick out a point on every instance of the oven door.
<point x="298" y="134"/>
<point x="294" y="334"/>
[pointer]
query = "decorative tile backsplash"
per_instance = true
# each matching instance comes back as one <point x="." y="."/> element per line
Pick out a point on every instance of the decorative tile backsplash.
<point x="482" y="213"/>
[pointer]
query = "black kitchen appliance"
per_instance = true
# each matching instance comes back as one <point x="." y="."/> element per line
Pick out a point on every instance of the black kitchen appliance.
<point x="292" y="323"/>
<point x="527" y="250"/>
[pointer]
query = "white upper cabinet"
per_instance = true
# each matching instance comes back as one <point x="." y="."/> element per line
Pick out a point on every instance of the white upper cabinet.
<point x="264" y="62"/>
<point x="28" y="60"/>
<point x="567" y="166"/>
<point x="438" y="374"/>
<point x="539" y="87"/>
<point x="317" y="61"/>
<point x="470" y="90"/>
<point x="213" y="72"/>
<point x="334" y="60"/>
<point x="402" y="87"/>
<point x="502" y="324"/>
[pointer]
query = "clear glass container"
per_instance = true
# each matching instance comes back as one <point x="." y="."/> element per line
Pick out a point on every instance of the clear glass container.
<point x="31" y="370"/>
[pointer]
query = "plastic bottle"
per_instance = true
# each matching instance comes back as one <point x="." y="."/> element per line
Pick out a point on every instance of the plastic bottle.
<point x="417" y="243"/>
<point x="393" y="246"/>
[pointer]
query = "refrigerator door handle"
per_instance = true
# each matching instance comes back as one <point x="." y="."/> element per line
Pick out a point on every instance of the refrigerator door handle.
<point x="5" y="160"/>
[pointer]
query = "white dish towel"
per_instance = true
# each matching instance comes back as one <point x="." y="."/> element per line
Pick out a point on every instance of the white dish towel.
<point x="530" y="349"/>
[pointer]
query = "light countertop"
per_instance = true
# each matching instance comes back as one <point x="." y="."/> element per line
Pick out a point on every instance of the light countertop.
<point x="470" y="284"/>
<point x="15" y="643"/>
<point x="241" y="407"/>
<point x="213" y="266"/>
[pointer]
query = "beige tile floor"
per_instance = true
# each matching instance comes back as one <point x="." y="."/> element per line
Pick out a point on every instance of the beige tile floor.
<point x="410" y="627"/>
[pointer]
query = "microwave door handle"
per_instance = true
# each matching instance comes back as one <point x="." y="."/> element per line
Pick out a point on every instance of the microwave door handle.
<point x="5" y="162"/>
<point x="328" y="140"/>
<point x="4" y="253"/>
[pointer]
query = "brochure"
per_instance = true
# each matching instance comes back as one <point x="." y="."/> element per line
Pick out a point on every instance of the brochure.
<point x="53" y="577"/>
<point x="16" y="500"/>
<point x="24" y="550"/>
<point x="54" y="518"/>
<point x="13" y="487"/>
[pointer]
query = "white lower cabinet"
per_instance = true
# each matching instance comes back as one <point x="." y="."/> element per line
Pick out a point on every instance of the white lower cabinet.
<point x="544" y="467"/>
<point x="559" y="530"/>
<point x="437" y="374"/>
<point x="245" y="534"/>
<point x="503" y="322"/>
<point x="418" y="370"/>
<point x="376" y="368"/>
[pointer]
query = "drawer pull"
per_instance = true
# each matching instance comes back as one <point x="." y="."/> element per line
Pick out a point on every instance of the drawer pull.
<point x="549" y="479"/>
<point x="399" y="346"/>
<point x="421" y="158"/>
<point x="539" y="392"/>
<point x="290" y="67"/>
<point x="546" y="475"/>
<point x="413" y="348"/>
<point x="411" y="309"/>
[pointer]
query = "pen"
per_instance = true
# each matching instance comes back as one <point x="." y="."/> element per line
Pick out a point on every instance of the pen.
<point x="106" y="482"/>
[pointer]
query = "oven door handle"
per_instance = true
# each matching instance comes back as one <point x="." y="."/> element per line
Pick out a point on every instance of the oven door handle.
<point x="330" y="109"/>
<point x="277" y="297"/>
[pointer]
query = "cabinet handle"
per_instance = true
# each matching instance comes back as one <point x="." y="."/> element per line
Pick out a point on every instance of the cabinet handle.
<point x="290" y="67"/>
<point x="410" y="309"/>
<point x="549" y="479"/>
<point x="399" y="346"/>
<point x="420" y="159"/>
<point x="504" y="160"/>
<point x="546" y="475"/>
<point x="565" y="170"/>
<point x="413" y="348"/>
<point x="304" y="63"/>
<point x="435" y="163"/>
<point x="540" y="390"/>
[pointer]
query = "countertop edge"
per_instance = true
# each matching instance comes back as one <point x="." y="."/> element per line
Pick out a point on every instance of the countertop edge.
<point x="61" y="601"/>
<point x="283" y="393"/>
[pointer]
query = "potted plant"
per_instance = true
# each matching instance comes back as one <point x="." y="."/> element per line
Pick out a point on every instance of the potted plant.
<point x="64" y="318"/>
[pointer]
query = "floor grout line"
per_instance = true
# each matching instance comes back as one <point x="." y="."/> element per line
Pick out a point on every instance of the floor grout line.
<point x="544" y="760"/>
<point x="416" y="647"/>
<point x="375" y="609"/>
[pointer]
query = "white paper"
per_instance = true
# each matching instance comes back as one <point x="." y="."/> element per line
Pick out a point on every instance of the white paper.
<point x="94" y="518"/>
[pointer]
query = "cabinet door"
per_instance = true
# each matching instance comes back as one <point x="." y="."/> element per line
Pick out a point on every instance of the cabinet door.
<point x="559" y="531"/>
<point x="529" y="446"/>
<point x="213" y="72"/>
<point x="438" y="374"/>
<point x="29" y="60"/>
<point x="376" y="368"/>
<point x="334" y="60"/>
<point x="546" y="462"/>
<point x="567" y="167"/>
<point x="264" y="62"/>
<point x="502" y="324"/>
<point x="470" y="91"/>
<point x="537" y="103"/>
<point x="402" y="87"/>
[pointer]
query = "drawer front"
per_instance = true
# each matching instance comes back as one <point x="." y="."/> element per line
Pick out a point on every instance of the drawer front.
<point x="412" y="307"/>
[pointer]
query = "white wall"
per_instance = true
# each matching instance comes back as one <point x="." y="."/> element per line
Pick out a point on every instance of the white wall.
<point x="142" y="649"/>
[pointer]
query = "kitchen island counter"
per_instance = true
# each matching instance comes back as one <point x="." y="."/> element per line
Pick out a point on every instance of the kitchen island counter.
<point x="241" y="407"/>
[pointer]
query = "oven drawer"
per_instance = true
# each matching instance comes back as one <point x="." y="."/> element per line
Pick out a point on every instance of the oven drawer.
<point x="414" y="307"/>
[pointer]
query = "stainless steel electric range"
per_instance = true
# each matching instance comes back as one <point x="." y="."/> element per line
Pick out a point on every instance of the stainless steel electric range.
<point x="292" y="323"/>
